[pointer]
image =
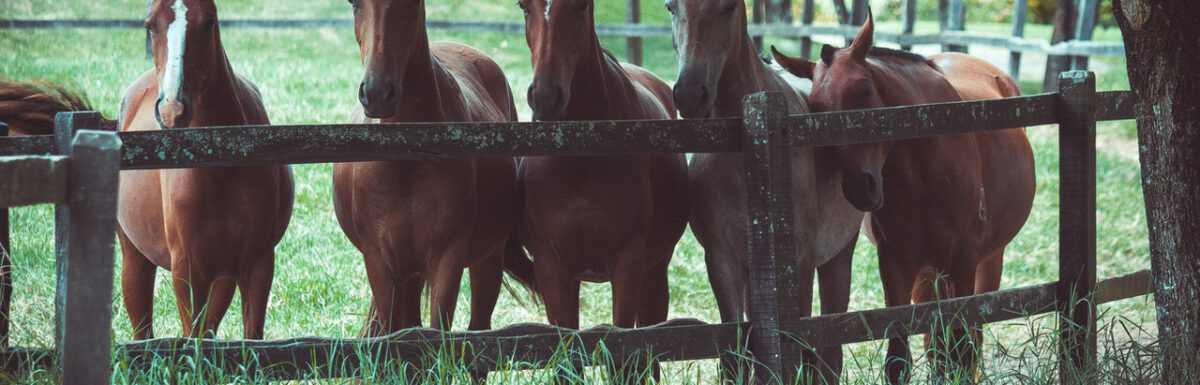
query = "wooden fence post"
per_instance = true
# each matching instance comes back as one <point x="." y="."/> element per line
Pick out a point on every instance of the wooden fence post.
<point x="85" y="284"/>
<point x="910" y="21"/>
<point x="756" y="17"/>
<point x="1083" y="30"/>
<point x="1077" y="225"/>
<point x="149" y="47"/>
<point x="633" y="44"/>
<point x="955" y="21"/>
<point x="1020" y="9"/>
<point x="858" y="12"/>
<point x="806" y="18"/>
<point x="5" y="264"/>
<point x="66" y="125"/>
<point x="767" y="149"/>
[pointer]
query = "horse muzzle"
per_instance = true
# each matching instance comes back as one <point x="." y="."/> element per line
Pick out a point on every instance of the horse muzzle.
<point x="547" y="102"/>
<point x="693" y="101"/>
<point x="173" y="113"/>
<point x="864" y="190"/>
<point x="378" y="97"/>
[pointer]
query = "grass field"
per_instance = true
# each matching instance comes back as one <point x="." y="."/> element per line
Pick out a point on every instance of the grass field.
<point x="310" y="76"/>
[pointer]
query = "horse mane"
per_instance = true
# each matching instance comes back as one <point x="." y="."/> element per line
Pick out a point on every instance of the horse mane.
<point x="897" y="54"/>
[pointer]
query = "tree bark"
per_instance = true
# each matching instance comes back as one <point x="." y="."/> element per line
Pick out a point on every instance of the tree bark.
<point x="1160" y="40"/>
<point x="1064" y="29"/>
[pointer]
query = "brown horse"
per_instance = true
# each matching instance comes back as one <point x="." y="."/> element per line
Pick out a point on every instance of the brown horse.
<point x="718" y="66"/>
<point x="943" y="206"/>
<point x="212" y="227"/>
<point x="418" y="221"/>
<point x="597" y="218"/>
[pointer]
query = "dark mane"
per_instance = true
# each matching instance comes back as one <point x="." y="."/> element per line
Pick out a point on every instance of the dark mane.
<point x="895" y="53"/>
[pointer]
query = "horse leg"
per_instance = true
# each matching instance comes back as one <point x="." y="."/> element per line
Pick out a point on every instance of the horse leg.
<point x="218" y="302"/>
<point x="728" y="279"/>
<point x="897" y="289"/>
<point x="486" y="278"/>
<point x="137" y="286"/>
<point x="192" y="290"/>
<point x="560" y="294"/>
<point x="655" y="302"/>
<point x="987" y="279"/>
<point x="385" y="311"/>
<point x="255" y="285"/>
<point x="962" y="350"/>
<point x="834" y="280"/>
<point x="627" y="294"/>
<point x="444" y="294"/>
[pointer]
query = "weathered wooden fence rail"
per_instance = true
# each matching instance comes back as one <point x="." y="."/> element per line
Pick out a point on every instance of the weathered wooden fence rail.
<point x="765" y="134"/>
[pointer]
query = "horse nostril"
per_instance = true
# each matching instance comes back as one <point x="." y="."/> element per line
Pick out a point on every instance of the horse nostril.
<point x="362" y="93"/>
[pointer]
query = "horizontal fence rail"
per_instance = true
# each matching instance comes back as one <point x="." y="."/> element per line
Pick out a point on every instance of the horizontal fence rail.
<point x="528" y="346"/>
<point x="250" y="145"/>
<point x="1011" y="43"/>
<point x="28" y="180"/>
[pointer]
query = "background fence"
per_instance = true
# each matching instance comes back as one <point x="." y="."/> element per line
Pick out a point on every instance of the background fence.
<point x="770" y="17"/>
<point x="765" y="135"/>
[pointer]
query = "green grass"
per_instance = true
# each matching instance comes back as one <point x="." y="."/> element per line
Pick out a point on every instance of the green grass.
<point x="309" y="76"/>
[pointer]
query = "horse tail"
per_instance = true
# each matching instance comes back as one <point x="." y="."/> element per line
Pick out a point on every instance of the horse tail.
<point x="29" y="108"/>
<point x="518" y="265"/>
<point x="1008" y="86"/>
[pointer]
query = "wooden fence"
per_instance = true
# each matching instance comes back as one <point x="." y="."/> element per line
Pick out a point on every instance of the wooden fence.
<point x="81" y="181"/>
<point x="765" y="135"/>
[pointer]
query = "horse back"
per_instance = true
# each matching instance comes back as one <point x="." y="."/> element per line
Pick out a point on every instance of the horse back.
<point x="484" y="87"/>
<point x="647" y="82"/>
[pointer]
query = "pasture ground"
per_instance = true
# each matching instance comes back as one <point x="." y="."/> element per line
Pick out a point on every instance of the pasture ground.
<point x="310" y="76"/>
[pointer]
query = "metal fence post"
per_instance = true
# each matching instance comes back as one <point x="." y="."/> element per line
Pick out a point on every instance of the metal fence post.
<point x="767" y="149"/>
<point x="1077" y="225"/>
<point x="85" y="283"/>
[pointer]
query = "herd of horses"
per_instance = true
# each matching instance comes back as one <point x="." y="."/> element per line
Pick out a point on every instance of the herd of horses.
<point x="940" y="210"/>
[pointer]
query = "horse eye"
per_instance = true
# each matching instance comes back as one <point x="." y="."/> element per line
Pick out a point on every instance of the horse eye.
<point x="670" y="7"/>
<point x="731" y="7"/>
<point x="352" y="3"/>
<point x="521" y="5"/>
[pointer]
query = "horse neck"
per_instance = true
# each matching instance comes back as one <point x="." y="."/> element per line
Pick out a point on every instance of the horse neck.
<point x="744" y="73"/>
<point x="600" y="89"/>
<point x="901" y="83"/>
<point x="430" y="92"/>
<point x="219" y="92"/>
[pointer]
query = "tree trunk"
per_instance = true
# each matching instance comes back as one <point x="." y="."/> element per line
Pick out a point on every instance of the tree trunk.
<point x="1160" y="41"/>
<point x="1064" y="29"/>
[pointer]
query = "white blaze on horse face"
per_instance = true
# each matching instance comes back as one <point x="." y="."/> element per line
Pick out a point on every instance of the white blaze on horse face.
<point x="171" y="85"/>
<point x="548" y="2"/>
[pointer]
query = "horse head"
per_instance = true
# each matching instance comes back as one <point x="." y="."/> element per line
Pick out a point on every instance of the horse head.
<point x="390" y="34"/>
<point x="844" y="80"/>
<point x="187" y="53"/>
<point x="559" y="33"/>
<point x="707" y="35"/>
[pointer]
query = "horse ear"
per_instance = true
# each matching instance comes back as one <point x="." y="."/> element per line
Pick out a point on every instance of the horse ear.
<point x="797" y="66"/>
<point x="865" y="38"/>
